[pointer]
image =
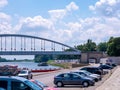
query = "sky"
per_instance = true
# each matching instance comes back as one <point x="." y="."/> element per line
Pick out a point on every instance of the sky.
<point x="71" y="22"/>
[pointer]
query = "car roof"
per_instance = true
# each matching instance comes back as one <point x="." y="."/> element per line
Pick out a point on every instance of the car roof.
<point x="13" y="77"/>
<point x="24" y="70"/>
<point x="70" y="73"/>
<point x="90" y="67"/>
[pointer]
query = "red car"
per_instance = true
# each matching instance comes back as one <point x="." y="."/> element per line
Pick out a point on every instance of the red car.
<point x="45" y="87"/>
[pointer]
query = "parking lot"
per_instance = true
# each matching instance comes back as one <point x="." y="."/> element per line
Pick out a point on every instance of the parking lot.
<point x="47" y="78"/>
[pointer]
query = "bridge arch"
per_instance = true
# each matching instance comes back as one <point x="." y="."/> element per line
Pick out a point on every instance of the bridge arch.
<point x="10" y="42"/>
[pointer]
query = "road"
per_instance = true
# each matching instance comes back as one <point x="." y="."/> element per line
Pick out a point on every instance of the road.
<point x="47" y="78"/>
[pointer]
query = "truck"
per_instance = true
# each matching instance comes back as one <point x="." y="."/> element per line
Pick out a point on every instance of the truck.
<point x="9" y="70"/>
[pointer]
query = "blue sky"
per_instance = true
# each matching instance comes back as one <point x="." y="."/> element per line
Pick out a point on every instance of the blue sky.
<point x="41" y="7"/>
<point x="71" y="22"/>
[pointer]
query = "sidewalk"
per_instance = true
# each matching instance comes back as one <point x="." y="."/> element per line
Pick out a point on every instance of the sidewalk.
<point x="112" y="83"/>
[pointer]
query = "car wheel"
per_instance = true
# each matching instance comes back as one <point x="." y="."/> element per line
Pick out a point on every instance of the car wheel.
<point x="31" y="77"/>
<point x="59" y="84"/>
<point x="96" y="80"/>
<point x="85" y="84"/>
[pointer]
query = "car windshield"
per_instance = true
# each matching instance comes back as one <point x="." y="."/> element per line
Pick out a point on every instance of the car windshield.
<point x="82" y="74"/>
<point x="88" y="73"/>
<point x="33" y="85"/>
<point x="23" y="72"/>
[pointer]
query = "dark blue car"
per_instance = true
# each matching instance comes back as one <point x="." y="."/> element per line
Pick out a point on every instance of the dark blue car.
<point x="72" y="79"/>
<point x="94" y="70"/>
<point x="106" y="66"/>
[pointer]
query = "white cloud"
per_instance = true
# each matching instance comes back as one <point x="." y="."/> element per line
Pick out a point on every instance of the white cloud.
<point x="101" y="29"/>
<point x="5" y="26"/>
<point x="3" y="3"/>
<point x="109" y="8"/>
<point x="57" y="14"/>
<point x="74" y="26"/>
<point x="36" y="23"/>
<point x="4" y="17"/>
<point x="61" y="13"/>
<point x="72" y="6"/>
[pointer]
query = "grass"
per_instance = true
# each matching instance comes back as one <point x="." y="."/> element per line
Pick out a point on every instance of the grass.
<point x="66" y="65"/>
<point x="62" y="65"/>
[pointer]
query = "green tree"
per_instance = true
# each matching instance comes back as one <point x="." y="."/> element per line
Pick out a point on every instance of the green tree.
<point x="102" y="46"/>
<point x="89" y="46"/>
<point x="42" y="58"/>
<point x="3" y="59"/>
<point x="37" y="58"/>
<point x="114" y="46"/>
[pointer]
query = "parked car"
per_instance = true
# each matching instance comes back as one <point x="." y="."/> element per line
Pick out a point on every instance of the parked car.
<point x="112" y="64"/>
<point x="72" y="79"/>
<point x="43" y="86"/>
<point x="17" y="83"/>
<point x="84" y="73"/>
<point x="26" y="74"/>
<point x="94" y="70"/>
<point x="2" y="88"/>
<point x="105" y="66"/>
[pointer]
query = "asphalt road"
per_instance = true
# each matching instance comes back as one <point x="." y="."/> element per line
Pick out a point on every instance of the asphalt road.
<point x="47" y="78"/>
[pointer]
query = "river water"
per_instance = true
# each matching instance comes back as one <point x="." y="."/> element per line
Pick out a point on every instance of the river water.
<point x="30" y="65"/>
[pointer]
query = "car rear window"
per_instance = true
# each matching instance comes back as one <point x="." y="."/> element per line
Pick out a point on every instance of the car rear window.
<point x="3" y="84"/>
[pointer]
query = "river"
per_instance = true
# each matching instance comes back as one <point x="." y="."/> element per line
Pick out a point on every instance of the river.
<point x="30" y="65"/>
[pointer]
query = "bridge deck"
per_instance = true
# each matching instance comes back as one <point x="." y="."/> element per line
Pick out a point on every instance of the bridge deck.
<point x="38" y="52"/>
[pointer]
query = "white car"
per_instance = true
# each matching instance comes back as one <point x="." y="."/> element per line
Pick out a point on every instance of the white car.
<point x="26" y="74"/>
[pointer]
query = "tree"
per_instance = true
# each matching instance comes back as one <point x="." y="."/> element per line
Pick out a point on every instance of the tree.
<point x="42" y="58"/>
<point x="80" y="47"/>
<point x="102" y="46"/>
<point x="37" y="58"/>
<point x="2" y="59"/>
<point x="114" y="46"/>
<point x="89" y="46"/>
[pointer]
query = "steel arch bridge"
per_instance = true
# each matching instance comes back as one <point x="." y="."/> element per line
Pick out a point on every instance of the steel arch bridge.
<point x="17" y="44"/>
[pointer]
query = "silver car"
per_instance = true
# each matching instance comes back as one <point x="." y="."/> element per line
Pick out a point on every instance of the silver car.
<point x="26" y="74"/>
<point x="84" y="73"/>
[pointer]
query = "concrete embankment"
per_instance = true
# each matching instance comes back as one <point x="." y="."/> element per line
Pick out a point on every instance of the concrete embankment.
<point x="113" y="82"/>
